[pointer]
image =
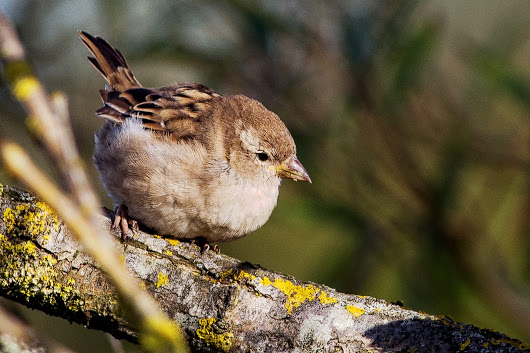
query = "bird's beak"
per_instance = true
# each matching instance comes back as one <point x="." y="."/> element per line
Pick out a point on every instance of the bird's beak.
<point x="292" y="168"/>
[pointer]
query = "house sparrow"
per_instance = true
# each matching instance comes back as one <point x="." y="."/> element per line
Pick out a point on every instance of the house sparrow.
<point x="184" y="160"/>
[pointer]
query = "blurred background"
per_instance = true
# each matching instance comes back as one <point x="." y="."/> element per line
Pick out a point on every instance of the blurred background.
<point x="412" y="118"/>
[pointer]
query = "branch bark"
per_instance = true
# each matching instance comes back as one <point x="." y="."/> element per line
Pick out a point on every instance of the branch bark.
<point x="221" y="303"/>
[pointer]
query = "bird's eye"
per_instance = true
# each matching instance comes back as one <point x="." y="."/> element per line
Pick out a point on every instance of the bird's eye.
<point x="262" y="156"/>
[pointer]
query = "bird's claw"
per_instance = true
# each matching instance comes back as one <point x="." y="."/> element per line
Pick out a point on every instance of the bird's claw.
<point x="204" y="246"/>
<point x="123" y="221"/>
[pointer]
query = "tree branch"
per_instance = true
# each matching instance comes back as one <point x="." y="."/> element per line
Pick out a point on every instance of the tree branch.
<point x="221" y="303"/>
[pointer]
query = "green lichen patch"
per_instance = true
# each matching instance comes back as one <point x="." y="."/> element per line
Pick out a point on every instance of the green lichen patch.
<point x="221" y="341"/>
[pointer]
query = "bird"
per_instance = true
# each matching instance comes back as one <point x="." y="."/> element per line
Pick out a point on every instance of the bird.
<point x="184" y="160"/>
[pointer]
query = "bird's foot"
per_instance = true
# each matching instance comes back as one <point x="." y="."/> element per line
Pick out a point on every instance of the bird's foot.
<point x="205" y="246"/>
<point x="123" y="221"/>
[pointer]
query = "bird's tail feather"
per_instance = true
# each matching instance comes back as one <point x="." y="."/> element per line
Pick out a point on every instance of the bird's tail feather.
<point x="109" y="62"/>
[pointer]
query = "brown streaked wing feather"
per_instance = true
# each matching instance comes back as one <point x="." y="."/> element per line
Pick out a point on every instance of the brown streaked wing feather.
<point x="118" y="104"/>
<point x="153" y="97"/>
<point x="149" y="107"/>
<point x="111" y="114"/>
<point x="104" y="94"/>
<point x="175" y="110"/>
<point x="136" y="95"/>
<point x="153" y="126"/>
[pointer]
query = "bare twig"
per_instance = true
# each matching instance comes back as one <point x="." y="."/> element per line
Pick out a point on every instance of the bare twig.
<point x="48" y="119"/>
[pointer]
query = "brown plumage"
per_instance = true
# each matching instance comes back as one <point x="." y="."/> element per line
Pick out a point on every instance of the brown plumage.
<point x="185" y="160"/>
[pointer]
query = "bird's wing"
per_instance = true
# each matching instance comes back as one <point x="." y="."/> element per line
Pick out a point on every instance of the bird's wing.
<point x="175" y="110"/>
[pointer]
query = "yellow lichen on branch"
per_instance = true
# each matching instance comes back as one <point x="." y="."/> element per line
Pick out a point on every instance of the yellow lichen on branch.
<point x="296" y="295"/>
<point x="162" y="280"/>
<point x="326" y="298"/>
<point x="33" y="218"/>
<point x="355" y="311"/>
<point x="222" y="341"/>
<point x="35" y="278"/>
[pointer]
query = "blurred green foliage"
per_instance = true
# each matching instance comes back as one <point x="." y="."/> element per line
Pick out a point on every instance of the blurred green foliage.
<point x="412" y="118"/>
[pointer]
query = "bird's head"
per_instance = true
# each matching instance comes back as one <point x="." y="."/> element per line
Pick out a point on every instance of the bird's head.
<point x="261" y="147"/>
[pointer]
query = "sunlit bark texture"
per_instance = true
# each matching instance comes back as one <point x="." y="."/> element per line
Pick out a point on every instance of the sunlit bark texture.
<point x="223" y="304"/>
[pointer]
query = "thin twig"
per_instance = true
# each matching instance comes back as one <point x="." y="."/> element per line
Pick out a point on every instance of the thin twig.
<point x="80" y="207"/>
